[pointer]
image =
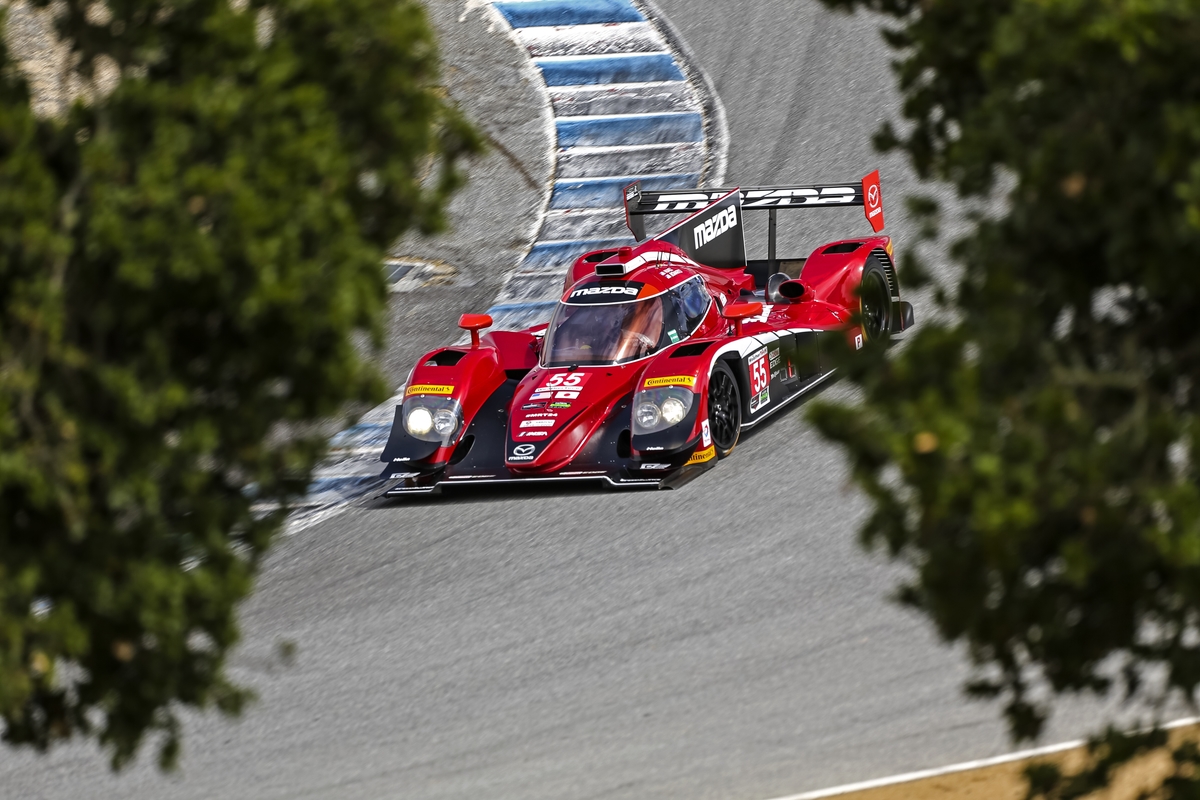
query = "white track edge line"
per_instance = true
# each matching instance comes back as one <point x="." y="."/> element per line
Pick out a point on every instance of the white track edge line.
<point x="965" y="766"/>
<point x="598" y="57"/>
<point x="612" y="87"/>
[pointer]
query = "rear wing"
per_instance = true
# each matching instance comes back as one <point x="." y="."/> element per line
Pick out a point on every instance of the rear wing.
<point x="865" y="193"/>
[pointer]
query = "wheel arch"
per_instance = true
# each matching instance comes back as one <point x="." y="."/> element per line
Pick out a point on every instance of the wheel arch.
<point x="835" y="273"/>
<point x="737" y="365"/>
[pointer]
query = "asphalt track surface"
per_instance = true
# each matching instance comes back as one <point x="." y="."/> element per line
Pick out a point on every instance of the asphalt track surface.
<point x="725" y="640"/>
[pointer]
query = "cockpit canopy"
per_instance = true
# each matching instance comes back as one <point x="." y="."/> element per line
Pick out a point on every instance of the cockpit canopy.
<point x="605" y="323"/>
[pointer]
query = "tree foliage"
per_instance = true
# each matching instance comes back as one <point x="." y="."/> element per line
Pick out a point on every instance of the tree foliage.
<point x="1034" y="453"/>
<point x="185" y="266"/>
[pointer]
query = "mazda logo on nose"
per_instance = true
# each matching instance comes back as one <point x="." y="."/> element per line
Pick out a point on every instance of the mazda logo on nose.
<point x="523" y="450"/>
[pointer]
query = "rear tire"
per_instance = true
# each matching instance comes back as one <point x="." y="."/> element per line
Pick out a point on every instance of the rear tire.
<point x="724" y="409"/>
<point x="875" y="301"/>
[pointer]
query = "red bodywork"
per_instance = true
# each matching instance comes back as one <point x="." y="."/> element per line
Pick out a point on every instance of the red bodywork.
<point x="519" y="418"/>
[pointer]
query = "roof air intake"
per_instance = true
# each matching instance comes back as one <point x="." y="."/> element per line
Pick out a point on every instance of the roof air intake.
<point x="622" y="255"/>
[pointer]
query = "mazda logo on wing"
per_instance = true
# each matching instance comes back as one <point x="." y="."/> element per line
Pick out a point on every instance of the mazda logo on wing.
<point x="873" y="196"/>
<point x="523" y="450"/>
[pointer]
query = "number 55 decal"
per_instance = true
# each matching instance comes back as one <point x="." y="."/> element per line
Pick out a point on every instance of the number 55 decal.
<point x="760" y="380"/>
<point x="561" y="386"/>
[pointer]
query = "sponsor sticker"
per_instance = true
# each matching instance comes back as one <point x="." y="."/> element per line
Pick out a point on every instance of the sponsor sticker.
<point x="700" y="456"/>
<point x="673" y="336"/>
<point x="607" y="292"/>
<point x="522" y="452"/>
<point x="686" y="201"/>
<point x="588" y="291"/>
<point x="542" y="414"/>
<point x="785" y="198"/>
<point x="397" y="475"/>
<point x="560" y="405"/>
<point x="532" y="434"/>
<point x="858" y="341"/>
<point x="428" y="388"/>
<point x="538" y="423"/>
<point x="528" y="406"/>
<point x="705" y="434"/>
<point x="656" y="466"/>
<point x="673" y="380"/>
<point x="760" y="380"/>
<point x="714" y="226"/>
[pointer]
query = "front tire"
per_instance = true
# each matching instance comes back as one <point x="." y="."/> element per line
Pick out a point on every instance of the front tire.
<point x="724" y="409"/>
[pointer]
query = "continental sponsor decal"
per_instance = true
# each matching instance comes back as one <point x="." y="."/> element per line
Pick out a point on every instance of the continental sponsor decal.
<point x="700" y="456"/>
<point x="674" y="380"/>
<point x="428" y="388"/>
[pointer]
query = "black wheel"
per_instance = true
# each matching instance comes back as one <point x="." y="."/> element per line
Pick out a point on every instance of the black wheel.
<point x="875" y="302"/>
<point x="724" y="409"/>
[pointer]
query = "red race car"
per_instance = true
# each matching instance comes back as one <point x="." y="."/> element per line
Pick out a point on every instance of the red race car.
<point x="657" y="356"/>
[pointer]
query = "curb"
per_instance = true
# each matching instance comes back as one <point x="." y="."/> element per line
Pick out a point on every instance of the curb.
<point x="629" y="101"/>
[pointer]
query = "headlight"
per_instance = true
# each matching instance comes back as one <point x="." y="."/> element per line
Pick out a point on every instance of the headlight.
<point x="432" y="418"/>
<point x="673" y="410"/>
<point x="647" y="415"/>
<point x="444" y="422"/>
<point x="419" y="421"/>
<point x="658" y="409"/>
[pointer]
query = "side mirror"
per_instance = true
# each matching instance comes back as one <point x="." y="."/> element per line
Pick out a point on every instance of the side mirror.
<point x="474" y="323"/>
<point x="736" y="312"/>
<point x="792" y="290"/>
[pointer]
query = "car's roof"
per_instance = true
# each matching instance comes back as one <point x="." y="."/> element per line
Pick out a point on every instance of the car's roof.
<point x="647" y="271"/>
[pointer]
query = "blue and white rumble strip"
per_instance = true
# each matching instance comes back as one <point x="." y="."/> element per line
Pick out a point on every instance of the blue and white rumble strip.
<point x="627" y="105"/>
<point x="624" y="109"/>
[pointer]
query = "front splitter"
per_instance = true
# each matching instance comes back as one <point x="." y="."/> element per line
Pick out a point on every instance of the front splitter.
<point x="671" y="480"/>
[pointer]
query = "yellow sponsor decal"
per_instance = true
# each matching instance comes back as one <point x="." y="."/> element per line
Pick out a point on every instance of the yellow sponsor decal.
<point x="674" y="380"/>
<point x="700" y="456"/>
<point x="428" y="388"/>
<point x="889" y="250"/>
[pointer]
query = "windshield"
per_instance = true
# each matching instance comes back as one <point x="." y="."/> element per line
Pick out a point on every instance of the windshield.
<point x="615" y="333"/>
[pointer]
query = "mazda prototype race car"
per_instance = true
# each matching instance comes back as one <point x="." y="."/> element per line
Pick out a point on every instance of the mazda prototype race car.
<point x="657" y="356"/>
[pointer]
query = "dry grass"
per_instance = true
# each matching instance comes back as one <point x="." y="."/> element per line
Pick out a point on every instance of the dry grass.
<point x="1007" y="782"/>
